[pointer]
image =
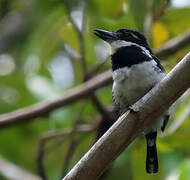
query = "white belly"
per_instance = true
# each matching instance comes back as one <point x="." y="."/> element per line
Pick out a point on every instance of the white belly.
<point x="130" y="84"/>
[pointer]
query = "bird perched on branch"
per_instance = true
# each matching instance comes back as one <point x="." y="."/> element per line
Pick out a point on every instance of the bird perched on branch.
<point x="136" y="70"/>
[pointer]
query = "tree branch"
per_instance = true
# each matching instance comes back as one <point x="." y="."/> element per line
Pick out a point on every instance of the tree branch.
<point x="44" y="108"/>
<point x="160" y="10"/>
<point x="173" y="45"/>
<point x="11" y="171"/>
<point x="51" y="135"/>
<point x="79" y="33"/>
<point x="148" y="20"/>
<point x="82" y="91"/>
<point x="130" y="124"/>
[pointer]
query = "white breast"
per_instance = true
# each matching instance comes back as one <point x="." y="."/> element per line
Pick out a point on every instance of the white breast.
<point x="130" y="84"/>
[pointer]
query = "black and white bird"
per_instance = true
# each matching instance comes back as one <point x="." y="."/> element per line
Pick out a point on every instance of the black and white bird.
<point x="135" y="71"/>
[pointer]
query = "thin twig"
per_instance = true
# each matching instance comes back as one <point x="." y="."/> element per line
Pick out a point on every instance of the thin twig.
<point x="73" y="142"/>
<point x="54" y="134"/>
<point x="103" y="111"/>
<point x="70" y="152"/>
<point x="148" y="20"/>
<point x="160" y="10"/>
<point x="72" y="146"/>
<point x="40" y="157"/>
<point x="86" y="75"/>
<point x="93" y="97"/>
<point x="51" y="135"/>
<point x="79" y="33"/>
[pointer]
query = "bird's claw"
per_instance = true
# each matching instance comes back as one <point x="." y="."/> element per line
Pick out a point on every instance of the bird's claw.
<point x="134" y="108"/>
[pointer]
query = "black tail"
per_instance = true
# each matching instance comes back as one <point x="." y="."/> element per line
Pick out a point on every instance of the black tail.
<point x="151" y="156"/>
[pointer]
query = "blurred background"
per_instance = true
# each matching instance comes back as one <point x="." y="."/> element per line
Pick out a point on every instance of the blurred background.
<point x="47" y="47"/>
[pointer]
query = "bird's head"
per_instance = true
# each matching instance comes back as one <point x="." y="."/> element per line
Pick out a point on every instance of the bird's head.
<point x="121" y="38"/>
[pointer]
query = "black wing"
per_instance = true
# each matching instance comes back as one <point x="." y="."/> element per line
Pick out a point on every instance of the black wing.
<point x="158" y="63"/>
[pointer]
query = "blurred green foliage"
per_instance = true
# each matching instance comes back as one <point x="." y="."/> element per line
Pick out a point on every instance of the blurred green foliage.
<point x="37" y="37"/>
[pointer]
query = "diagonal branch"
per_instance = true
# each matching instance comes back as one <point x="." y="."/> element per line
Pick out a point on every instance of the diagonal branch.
<point x="131" y="123"/>
<point x="44" y="108"/>
<point x="12" y="171"/>
<point x="173" y="45"/>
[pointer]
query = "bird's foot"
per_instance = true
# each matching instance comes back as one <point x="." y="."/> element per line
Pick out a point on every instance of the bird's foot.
<point x="134" y="107"/>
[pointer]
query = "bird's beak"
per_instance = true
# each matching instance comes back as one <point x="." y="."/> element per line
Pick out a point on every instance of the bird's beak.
<point x="105" y="35"/>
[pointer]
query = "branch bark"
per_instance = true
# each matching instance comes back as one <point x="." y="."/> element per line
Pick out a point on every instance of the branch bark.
<point x="82" y="91"/>
<point x="130" y="124"/>
<point x="44" y="108"/>
<point x="173" y="45"/>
